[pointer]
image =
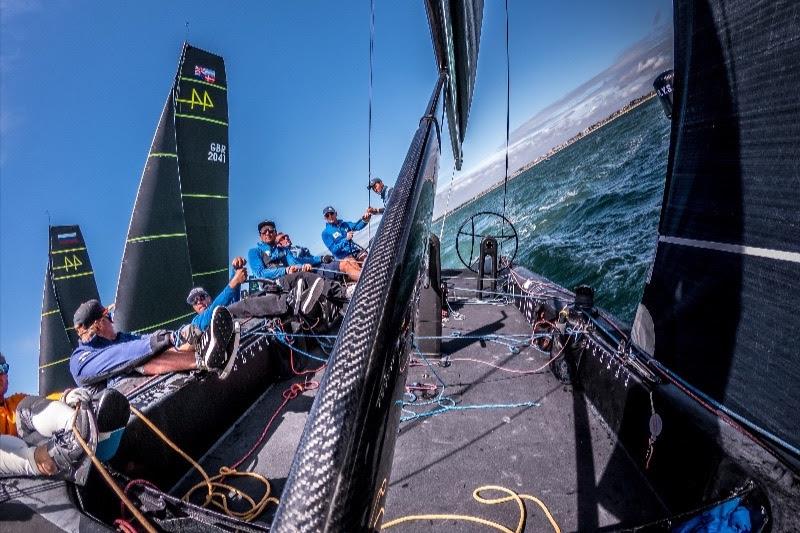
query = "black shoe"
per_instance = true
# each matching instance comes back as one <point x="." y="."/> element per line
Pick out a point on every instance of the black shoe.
<point x="213" y="344"/>
<point x="63" y="446"/>
<point x="310" y="298"/>
<point x="232" y="349"/>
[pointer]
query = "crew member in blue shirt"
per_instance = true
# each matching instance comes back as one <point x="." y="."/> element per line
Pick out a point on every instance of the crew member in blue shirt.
<point x="300" y="255"/>
<point x="338" y="237"/>
<point x="377" y="186"/>
<point x="268" y="260"/>
<point x="103" y="353"/>
<point x="201" y="302"/>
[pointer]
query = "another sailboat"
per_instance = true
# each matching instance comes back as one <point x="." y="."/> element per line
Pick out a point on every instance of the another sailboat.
<point x="69" y="281"/>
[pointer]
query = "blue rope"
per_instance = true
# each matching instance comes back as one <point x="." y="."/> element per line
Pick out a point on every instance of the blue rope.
<point x="281" y="338"/>
<point x="446" y="403"/>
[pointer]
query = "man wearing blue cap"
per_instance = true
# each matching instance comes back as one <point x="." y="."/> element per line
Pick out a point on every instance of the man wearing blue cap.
<point x="377" y="186"/>
<point x="338" y="237"/>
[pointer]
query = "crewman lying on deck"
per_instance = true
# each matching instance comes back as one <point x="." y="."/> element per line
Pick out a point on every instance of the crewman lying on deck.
<point x="268" y="260"/>
<point x="338" y="237"/>
<point x="378" y="187"/>
<point x="104" y="354"/>
<point x="36" y="437"/>
<point x="301" y="256"/>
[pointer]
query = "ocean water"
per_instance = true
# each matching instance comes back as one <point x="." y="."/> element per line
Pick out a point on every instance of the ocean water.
<point x="588" y="215"/>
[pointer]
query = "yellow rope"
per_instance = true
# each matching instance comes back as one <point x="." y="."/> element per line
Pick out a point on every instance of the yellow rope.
<point x="111" y="483"/>
<point x="510" y="495"/>
<point x="216" y="491"/>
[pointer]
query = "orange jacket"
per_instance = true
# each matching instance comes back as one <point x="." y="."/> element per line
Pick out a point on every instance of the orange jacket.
<point x="8" y="414"/>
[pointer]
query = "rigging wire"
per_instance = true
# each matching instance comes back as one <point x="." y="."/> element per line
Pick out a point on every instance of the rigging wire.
<point x="369" y="119"/>
<point x="508" y="125"/>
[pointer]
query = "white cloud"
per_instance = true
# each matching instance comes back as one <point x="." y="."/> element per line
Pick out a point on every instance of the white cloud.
<point x="651" y="63"/>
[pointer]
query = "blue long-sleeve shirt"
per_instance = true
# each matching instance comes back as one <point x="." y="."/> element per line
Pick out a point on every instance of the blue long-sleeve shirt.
<point x="335" y="238"/>
<point x="300" y="256"/>
<point x="267" y="261"/>
<point x="226" y="297"/>
<point x="101" y="357"/>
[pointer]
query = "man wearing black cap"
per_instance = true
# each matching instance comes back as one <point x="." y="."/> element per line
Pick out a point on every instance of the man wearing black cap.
<point x="201" y="301"/>
<point x="338" y="237"/>
<point x="104" y="354"/>
<point x="378" y="187"/>
<point x="268" y="260"/>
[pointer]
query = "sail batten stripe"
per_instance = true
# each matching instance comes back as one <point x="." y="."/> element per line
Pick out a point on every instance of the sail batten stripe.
<point x="74" y="275"/>
<point x="210" y="272"/>
<point x="51" y="312"/>
<point x="153" y="326"/>
<point x="54" y="363"/>
<point x="145" y="238"/>
<point x="217" y="196"/>
<point x="162" y="154"/>
<point x="201" y="82"/>
<point x="740" y="249"/>
<point x="195" y="117"/>
<point x="54" y="252"/>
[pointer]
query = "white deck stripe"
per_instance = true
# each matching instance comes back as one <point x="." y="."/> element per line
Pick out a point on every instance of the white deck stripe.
<point x="781" y="255"/>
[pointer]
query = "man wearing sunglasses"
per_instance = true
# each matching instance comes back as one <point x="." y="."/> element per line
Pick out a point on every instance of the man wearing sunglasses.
<point x="36" y="435"/>
<point x="338" y="237"/>
<point x="301" y="256"/>
<point x="267" y="259"/>
<point x="204" y="306"/>
<point x="104" y="354"/>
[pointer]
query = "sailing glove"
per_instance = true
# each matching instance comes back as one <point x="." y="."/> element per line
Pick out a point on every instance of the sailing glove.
<point x="160" y="340"/>
<point x="71" y="397"/>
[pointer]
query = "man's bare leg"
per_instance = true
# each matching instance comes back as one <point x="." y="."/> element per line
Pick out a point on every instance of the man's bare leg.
<point x="171" y="360"/>
<point x="351" y="268"/>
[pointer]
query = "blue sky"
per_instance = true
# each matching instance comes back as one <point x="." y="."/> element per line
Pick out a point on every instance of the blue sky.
<point x="82" y="85"/>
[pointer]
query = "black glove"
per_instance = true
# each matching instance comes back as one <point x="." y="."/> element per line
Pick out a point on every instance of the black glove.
<point x="327" y="259"/>
<point x="160" y="340"/>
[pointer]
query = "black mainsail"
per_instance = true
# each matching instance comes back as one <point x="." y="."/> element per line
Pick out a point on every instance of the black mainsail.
<point x="178" y="235"/>
<point x="69" y="280"/>
<point x="719" y="309"/>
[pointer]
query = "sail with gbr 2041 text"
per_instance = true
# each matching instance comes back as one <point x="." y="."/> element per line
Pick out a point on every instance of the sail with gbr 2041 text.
<point x="178" y="235"/>
<point x="69" y="280"/>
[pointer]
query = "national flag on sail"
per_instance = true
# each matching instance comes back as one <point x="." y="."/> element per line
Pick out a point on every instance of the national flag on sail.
<point x="68" y="238"/>
<point x="205" y="73"/>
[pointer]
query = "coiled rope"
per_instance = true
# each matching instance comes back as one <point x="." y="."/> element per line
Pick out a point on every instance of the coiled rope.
<point x="477" y="495"/>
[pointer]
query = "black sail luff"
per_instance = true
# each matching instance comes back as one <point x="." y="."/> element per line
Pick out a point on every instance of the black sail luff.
<point x="155" y="275"/>
<point x="54" y="343"/>
<point x="201" y="123"/>
<point x="720" y="308"/>
<point x="69" y="281"/>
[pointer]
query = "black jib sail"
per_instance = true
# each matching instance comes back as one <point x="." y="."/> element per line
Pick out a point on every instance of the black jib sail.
<point x="178" y="236"/>
<point x="69" y="280"/>
<point x="456" y="33"/>
<point x="720" y="309"/>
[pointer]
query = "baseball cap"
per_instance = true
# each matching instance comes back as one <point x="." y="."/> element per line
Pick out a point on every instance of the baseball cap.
<point x="327" y="210"/>
<point x="373" y="181"/>
<point x="194" y="293"/>
<point x="88" y="312"/>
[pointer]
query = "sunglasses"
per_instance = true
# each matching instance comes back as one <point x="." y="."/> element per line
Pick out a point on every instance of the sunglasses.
<point x="3" y="368"/>
<point x="200" y="298"/>
<point x="326" y="215"/>
<point x="269" y="230"/>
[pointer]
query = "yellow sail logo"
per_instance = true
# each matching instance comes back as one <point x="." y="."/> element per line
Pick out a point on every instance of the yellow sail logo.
<point x="205" y="102"/>
<point x="73" y="262"/>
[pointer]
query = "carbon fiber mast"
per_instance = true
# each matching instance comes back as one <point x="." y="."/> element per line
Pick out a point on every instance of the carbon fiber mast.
<point x="340" y="473"/>
<point x="69" y="280"/>
<point x="178" y="235"/>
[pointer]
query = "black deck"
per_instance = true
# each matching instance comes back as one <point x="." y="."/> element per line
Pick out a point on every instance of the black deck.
<point x="558" y="451"/>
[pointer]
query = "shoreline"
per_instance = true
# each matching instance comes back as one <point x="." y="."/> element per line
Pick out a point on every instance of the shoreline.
<point x="633" y="104"/>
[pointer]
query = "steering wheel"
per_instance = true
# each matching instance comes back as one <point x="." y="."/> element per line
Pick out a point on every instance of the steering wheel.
<point x="489" y="224"/>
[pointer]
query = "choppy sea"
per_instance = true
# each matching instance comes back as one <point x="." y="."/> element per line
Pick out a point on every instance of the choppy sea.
<point x="588" y="215"/>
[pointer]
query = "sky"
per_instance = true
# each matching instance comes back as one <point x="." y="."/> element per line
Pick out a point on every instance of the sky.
<point x="82" y="84"/>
